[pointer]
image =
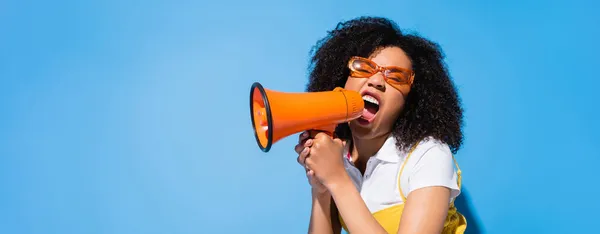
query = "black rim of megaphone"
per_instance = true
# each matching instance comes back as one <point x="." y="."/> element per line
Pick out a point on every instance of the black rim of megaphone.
<point x="269" y="117"/>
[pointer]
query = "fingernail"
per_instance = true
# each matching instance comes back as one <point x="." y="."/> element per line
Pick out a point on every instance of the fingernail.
<point x="308" y="142"/>
<point x="304" y="134"/>
<point x="304" y="150"/>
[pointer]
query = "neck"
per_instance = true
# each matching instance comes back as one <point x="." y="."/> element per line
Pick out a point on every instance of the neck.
<point x="363" y="149"/>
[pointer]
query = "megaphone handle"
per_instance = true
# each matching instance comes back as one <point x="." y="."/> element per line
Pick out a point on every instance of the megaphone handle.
<point x="313" y="132"/>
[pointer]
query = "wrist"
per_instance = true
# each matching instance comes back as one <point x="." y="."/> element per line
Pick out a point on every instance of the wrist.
<point x="322" y="199"/>
<point x="320" y="194"/>
<point x="339" y="183"/>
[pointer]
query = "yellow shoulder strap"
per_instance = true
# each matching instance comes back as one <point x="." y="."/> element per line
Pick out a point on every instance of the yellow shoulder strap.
<point x="402" y="169"/>
<point x="458" y="172"/>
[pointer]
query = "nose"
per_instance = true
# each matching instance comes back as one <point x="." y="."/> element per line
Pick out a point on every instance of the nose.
<point x="377" y="81"/>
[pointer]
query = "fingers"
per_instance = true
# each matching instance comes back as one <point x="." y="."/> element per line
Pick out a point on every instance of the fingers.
<point x="325" y="137"/>
<point x="308" y="143"/>
<point x="303" y="155"/>
<point x="308" y="162"/>
<point x="299" y="148"/>
<point x="303" y="141"/>
<point x="338" y="141"/>
<point x="321" y="136"/>
<point x="303" y="136"/>
<point x="310" y="175"/>
<point x="303" y="148"/>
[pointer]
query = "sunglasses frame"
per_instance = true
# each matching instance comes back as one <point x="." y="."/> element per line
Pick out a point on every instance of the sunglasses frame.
<point x="383" y="70"/>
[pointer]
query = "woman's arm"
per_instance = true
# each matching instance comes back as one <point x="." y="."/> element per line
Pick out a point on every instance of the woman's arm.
<point x="323" y="218"/>
<point x="433" y="183"/>
<point x="352" y="208"/>
<point x="326" y="162"/>
<point x="425" y="211"/>
<point x="426" y="206"/>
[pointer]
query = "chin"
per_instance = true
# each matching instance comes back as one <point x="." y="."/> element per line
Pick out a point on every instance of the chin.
<point x="364" y="129"/>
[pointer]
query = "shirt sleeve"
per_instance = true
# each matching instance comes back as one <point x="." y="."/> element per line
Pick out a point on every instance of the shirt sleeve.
<point x="434" y="167"/>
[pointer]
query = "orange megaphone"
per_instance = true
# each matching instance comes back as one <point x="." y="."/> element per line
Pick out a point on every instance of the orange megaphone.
<point x="276" y="115"/>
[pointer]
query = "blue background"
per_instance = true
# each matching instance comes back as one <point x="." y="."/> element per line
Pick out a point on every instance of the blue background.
<point x="132" y="116"/>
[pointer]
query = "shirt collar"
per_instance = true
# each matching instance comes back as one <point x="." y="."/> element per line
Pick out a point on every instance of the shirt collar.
<point x="387" y="153"/>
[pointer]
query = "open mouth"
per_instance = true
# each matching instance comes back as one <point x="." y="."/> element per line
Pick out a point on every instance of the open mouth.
<point x="371" y="107"/>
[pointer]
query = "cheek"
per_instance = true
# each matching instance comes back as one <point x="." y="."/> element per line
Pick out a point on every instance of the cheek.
<point x="393" y="110"/>
<point x="353" y="84"/>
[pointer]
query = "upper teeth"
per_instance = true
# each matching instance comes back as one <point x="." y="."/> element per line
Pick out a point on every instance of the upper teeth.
<point x="370" y="99"/>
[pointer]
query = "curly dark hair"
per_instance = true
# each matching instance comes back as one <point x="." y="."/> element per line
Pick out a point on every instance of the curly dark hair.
<point x="432" y="107"/>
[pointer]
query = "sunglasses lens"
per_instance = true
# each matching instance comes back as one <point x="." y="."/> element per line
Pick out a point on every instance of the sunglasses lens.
<point x="397" y="77"/>
<point x="362" y="68"/>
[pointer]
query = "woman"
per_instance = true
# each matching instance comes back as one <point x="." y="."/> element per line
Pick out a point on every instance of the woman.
<point x="392" y="170"/>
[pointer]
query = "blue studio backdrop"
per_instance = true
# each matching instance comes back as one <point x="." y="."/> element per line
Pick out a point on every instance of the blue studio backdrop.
<point x="128" y="117"/>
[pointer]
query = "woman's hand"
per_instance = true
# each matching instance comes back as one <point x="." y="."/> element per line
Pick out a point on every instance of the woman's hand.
<point x="326" y="159"/>
<point x="303" y="150"/>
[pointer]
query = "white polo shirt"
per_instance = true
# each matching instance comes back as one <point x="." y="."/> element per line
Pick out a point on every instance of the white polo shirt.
<point x="430" y="164"/>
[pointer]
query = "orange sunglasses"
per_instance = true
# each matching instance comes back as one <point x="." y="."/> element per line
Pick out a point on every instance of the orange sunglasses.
<point x="399" y="78"/>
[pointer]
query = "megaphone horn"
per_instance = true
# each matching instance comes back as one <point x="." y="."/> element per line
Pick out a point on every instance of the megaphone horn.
<point x="276" y="115"/>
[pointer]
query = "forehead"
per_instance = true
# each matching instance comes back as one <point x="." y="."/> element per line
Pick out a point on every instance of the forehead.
<point x="391" y="56"/>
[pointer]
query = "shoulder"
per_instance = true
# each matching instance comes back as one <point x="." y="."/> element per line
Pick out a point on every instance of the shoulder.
<point x="431" y="163"/>
<point x="430" y="150"/>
